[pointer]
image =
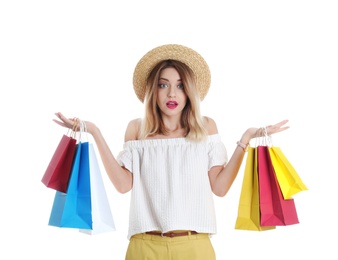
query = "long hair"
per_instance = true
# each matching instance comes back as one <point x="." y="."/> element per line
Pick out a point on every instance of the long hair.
<point x="191" y="119"/>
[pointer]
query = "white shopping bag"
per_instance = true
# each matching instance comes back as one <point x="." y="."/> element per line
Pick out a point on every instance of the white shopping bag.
<point x="101" y="213"/>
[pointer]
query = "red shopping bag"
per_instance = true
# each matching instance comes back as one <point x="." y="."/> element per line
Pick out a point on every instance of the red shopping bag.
<point x="275" y="210"/>
<point x="58" y="171"/>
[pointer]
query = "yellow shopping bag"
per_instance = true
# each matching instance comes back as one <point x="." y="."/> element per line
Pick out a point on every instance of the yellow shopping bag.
<point x="248" y="217"/>
<point x="289" y="181"/>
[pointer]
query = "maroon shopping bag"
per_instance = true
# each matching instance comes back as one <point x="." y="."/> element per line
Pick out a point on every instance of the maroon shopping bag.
<point x="58" y="171"/>
<point x="275" y="210"/>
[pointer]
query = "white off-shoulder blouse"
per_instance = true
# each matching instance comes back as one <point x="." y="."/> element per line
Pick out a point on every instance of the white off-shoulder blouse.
<point x="171" y="188"/>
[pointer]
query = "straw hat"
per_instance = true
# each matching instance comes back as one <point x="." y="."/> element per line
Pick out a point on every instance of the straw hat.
<point x="171" y="52"/>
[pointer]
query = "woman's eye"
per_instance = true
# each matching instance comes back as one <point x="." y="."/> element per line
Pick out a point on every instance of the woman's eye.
<point x="163" y="85"/>
<point x="180" y="86"/>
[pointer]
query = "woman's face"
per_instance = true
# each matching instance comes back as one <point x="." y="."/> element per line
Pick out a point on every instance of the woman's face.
<point x="171" y="97"/>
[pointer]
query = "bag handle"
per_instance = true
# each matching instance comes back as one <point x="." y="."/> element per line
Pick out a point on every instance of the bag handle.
<point x="262" y="137"/>
<point x="78" y="130"/>
<point x="83" y="130"/>
<point x="71" y="132"/>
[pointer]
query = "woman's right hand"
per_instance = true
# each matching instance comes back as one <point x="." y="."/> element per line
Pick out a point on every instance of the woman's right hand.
<point x="66" y="122"/>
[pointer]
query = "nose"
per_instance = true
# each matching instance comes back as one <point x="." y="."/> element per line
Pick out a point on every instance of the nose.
<point x="171" y="92"/>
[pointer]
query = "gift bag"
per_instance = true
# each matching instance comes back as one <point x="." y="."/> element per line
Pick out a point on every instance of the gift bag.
<point x="58" y="171"/>
<point x="248" y="217"/>
<point x="289" y="181"/>
<point x="73" y="209"/>
<point x="275" y="210"/>
<point x="101" y="214"/>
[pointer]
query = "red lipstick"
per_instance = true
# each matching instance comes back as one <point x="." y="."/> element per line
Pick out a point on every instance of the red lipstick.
<point x="172" y="104"/>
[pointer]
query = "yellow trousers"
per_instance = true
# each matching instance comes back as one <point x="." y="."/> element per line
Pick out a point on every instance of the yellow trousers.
<point x="152" y="247"/>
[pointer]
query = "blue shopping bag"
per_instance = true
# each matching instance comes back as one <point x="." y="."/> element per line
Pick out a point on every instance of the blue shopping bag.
<point x="73" y="209"/>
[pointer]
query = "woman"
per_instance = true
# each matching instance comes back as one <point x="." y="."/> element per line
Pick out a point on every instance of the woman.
<point x="173" y="159"/>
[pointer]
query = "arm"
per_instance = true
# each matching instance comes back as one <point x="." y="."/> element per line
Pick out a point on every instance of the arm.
<point x="121" y="178"/>
<point x="222" y="177"/>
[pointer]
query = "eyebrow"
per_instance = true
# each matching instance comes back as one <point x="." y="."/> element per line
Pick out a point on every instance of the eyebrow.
<point x="168" y="79"/>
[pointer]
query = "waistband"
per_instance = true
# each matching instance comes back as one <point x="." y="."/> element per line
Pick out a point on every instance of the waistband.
<point x="171" y="236"/>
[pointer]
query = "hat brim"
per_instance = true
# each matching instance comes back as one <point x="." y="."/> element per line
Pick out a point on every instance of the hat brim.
<point x="177" y="52"/>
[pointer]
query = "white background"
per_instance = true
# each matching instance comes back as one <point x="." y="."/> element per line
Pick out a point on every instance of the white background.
<point x="270" y="60"/>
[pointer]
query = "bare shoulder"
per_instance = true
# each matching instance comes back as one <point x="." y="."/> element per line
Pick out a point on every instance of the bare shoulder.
<point x="132" y="130"/>
<point x="210" y="125"/>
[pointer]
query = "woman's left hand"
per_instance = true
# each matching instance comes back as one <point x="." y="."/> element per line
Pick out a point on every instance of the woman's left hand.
<point x="268" y="130"/>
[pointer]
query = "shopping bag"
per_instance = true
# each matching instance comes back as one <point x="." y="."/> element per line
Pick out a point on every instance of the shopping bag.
<point x="275" y="210"/>
<point x="73" y="209"/>
<point x="289" y="181"/>
<point x="58" y="171"/>
<point x="101" y="213"/>
<point x="248" y="217"/>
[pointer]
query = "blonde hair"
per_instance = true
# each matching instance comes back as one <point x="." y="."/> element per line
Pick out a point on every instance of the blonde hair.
<point x="191" y="119"/>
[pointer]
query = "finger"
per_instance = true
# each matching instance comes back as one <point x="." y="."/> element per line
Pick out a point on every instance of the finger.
<point x="66" y="122"/>
<point x="277" y="127"/>
<point x="60" y="123"/>
<point x="58" y="114"/>
<point x="282" y="123"/>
